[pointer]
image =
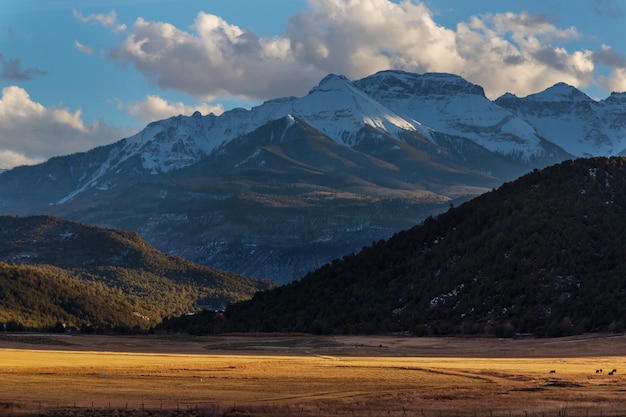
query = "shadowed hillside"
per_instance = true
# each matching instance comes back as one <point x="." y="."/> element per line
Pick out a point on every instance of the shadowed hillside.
<point x="543" y="254"/>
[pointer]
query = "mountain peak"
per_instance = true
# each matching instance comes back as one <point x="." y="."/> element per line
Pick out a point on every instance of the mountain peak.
<point x="340" y="109"/>
<point x="331" y="82"/>
<point x="616" y="98"/>
<point x="507" y="96"/>
<point x="431" y="83"/>
<point x="560" y="92"/>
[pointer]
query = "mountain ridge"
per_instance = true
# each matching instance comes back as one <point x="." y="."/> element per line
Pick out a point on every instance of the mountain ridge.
<point x="99" y="277"/>
<point x="413" y="143"/>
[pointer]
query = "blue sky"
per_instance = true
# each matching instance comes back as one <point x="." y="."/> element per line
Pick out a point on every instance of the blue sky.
<point x="76" y="74"/>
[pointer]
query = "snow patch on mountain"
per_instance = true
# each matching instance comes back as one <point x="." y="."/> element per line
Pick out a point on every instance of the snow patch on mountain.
<point x="102" y="170"/>
<point x="252" y="156"/>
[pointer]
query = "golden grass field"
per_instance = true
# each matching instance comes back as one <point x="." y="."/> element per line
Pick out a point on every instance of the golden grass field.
<point x="312" y="376"/>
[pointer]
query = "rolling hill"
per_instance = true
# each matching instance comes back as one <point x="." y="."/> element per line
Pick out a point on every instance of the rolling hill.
<point x="54" y="271"/>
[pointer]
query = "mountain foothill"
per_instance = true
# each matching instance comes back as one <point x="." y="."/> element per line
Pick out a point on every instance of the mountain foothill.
<point x="57" y="274"/>
<point x="400" y="202"/>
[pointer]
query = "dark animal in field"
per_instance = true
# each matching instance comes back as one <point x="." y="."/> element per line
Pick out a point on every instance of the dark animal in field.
<point x="553" y="371"/>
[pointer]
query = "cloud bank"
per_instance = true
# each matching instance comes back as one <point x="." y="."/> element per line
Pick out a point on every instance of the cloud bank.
<point x="521" y="53"/>
<point x="31" y="133"/>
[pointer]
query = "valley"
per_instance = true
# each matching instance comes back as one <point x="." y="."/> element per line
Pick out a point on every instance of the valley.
<point x="262" y="375"/>
<point x="350" y="208"/>
<point x="534" y="256"/>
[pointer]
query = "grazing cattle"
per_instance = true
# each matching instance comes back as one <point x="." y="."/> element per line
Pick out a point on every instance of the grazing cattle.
<point x="611" y="373"/>
<point x="614" y="370"/>
<point x="553" y="371"/>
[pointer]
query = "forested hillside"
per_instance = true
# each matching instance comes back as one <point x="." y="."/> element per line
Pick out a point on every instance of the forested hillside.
<point x="54" y="271"/>
<point x="543" y="254"/>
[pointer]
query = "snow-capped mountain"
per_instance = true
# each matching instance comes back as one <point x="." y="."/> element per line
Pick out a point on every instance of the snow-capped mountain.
<point x="284" y="187"/>
<point x="450" y="105"/>
<point x="335" y="108"/>
<point x="572" y="120"/>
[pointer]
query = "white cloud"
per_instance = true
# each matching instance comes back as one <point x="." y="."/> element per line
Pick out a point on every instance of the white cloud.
<point x="156" y="108"/>
<point x="106" y="20"/>
<point x="362" y="37"/>
<point x="218" y="59"/>
<point x="615" y="82"/>
<point x="83" y="48"/>
<point x="30" y="132"/>
<point x="10" y="159"/>
<point x="501" y="52"/>
<point x="518" y="53"/>
<point x="525" y="26"/>
<point x="521" y="53"/>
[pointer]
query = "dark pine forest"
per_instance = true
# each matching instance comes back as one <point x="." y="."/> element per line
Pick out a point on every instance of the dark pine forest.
<point x="542" y="255"/>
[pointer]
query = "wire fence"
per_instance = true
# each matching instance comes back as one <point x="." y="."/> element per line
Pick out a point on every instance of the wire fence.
<point x="101" y="408"/>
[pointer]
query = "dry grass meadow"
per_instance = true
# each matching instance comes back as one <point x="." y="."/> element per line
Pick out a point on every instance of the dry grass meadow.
<point x="300" y="375"/>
